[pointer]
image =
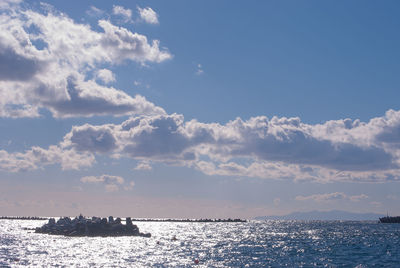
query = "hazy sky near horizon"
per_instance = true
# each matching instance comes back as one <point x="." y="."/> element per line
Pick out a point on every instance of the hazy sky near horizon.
<point x="199" y="109"/>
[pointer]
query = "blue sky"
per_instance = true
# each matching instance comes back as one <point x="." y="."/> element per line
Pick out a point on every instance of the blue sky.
<point x="198" y="109"/>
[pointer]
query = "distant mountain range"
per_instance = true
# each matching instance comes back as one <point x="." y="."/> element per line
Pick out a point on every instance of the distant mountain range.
<point x="324" y="215"/>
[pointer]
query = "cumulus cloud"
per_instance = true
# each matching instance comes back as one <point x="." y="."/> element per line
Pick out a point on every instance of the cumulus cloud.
<point x="123" y="44"/>
<point x="111" y="183"/>
<point x="331" y="197"/>
<point x="276" y="148"/>
<point x="47" y="59"/>
<point x="87" y="98"/>
<point x="91" y="138"/>
<point x="143" y="165"/>
<point x="148" y="15"/>
<point x="108" y="179"/>
<point x="124" y="13"/>
<point x="8" y="3"/>
<point x="37" y="157"/>
<point x="105" y="75"/>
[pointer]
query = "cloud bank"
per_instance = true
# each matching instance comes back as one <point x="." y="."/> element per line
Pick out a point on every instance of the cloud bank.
<point x="276" y="148"/>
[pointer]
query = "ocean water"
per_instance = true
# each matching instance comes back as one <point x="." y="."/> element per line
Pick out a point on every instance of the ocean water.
<point x="250" y="244"/>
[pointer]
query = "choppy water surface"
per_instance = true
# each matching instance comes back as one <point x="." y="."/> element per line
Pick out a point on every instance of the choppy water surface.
<point x="252" y="244"/>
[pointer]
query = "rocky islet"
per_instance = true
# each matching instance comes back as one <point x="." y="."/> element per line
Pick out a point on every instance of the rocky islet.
<point x="81" y="226"/>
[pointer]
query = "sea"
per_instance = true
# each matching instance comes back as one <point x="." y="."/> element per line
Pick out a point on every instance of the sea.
<point x="250" y="244"/>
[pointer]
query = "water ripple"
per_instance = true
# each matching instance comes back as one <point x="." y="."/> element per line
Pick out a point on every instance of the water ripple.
<point x="251" y="244"/>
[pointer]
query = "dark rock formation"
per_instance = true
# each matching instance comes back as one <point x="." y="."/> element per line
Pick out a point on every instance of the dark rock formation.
<point x="81" y="226"/>
<point x="128" y="221"/>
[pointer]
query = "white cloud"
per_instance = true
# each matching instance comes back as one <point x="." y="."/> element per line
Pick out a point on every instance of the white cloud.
<point x="148" y="15"/>
<point x="357" y="198"/>
<point x="8" y="3"/>
<point x="129" y="186"/>
<point x="143" y="165"/>
<point x="200" y="70"/>
<point x="92" y="138"/>
<point x="91" y="179"/>
<point x="46" y="59"/>
<point x="94" y="12"/>
<point x="111" y="183"/>
<point x="322" y="197"/>
<point x="56" y="61"/>
<point x="123" y="44"/>
<point x="105" y="75"/>
<point x="37" y="157"/>
<point x="87" y="98"/>
<point x="276" y="148"/>
<point x="331" y="197"/>
<point x="124" y="13"/>
<point x="108" y="179"/>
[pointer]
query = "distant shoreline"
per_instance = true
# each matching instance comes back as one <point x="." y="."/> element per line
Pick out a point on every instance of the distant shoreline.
<point x="23" y="218"/>
<point x="190" y="220"/>
<point x="137" y="219"/>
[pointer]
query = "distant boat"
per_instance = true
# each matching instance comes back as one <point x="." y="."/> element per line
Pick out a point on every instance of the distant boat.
<point x="390" y="219"/>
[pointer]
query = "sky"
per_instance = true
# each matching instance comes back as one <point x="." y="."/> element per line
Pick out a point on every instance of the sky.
<point x="195" y="109"/>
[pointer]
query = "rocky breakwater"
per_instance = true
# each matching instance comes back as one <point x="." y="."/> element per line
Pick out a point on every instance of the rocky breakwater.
<point x="81" y="226"/>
